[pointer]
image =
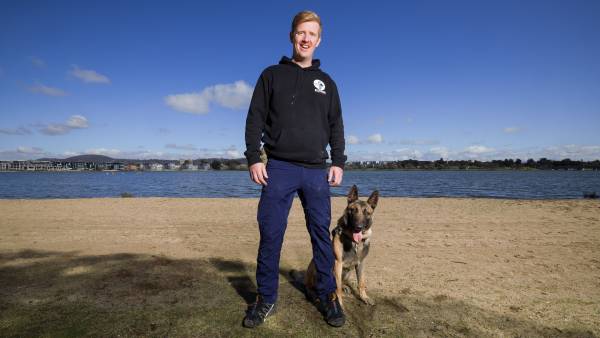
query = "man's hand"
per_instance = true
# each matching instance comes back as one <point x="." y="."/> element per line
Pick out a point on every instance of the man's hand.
<point x="258" y="173"/>
<point x="336" y="173"/>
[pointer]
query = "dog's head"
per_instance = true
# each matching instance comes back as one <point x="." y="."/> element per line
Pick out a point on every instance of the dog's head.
<point x="357" y="218"/>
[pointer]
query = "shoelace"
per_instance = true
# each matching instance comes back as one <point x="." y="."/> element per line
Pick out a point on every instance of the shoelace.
<point x="263" y="311"/>
<point x="333" y="306"/>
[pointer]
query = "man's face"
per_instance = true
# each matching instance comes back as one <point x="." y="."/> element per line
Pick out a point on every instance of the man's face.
<point x="305" y="39"/>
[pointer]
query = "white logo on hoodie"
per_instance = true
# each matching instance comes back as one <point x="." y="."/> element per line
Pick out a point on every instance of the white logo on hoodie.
<point x="319" y="86"/>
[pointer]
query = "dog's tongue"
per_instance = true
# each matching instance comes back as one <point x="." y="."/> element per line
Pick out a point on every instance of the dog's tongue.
<point x="357" y="236"/>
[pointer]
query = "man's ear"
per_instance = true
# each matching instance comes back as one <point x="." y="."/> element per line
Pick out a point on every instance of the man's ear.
<point x="353" y="194"/>
<point x="318" y="42"/>
<point x="373" y="199"/>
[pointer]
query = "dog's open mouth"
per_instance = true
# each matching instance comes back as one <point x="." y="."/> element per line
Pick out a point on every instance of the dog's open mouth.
<point x="357" y="236"/>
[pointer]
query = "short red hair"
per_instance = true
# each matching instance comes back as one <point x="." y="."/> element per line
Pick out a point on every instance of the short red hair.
<point x="305" y="16"/>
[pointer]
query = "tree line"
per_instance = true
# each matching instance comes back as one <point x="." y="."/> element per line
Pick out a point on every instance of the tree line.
<point x="441" y="164"/>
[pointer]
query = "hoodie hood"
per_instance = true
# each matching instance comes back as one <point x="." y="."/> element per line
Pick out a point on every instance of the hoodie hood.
<point x="287" y="61"/>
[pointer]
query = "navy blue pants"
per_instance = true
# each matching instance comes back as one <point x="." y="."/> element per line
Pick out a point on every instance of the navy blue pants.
<point x="285" y="180"/>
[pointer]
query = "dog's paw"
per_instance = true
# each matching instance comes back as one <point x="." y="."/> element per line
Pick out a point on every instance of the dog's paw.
<point x="367" y="300"/>
<point x="347" y="289"/>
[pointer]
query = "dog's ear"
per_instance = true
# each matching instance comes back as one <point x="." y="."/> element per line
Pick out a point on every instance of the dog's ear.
<point x="373" y="199"/>
<point x="353" y="194"/>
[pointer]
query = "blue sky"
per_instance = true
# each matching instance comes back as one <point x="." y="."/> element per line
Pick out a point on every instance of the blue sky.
<point x="420" y="79"/>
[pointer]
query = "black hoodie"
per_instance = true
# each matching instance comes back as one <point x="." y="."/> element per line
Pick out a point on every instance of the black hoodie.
<point x="298" y="110"/>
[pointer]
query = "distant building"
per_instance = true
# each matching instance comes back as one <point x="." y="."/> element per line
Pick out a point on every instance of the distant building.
<point x="173" y="166"/>
<point x="4" y="165"/>
<point x="132" y="167"/>
<point x="156" y="167"/>
<point x="24" y="165"/>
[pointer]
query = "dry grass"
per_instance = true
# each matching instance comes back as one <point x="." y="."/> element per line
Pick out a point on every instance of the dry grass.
<point x="63" y="294"/>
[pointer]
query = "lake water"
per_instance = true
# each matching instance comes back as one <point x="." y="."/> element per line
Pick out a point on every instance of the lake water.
<point x="495" y="184"/>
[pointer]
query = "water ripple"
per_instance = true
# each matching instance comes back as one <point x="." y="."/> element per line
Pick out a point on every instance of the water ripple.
<point x="494" y="184"/>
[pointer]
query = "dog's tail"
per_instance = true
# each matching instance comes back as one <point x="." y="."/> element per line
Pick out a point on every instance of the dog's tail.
<point x="297" y="279"/>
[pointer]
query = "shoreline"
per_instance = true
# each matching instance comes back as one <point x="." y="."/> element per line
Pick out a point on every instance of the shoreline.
<point x="347" y="169"/>
<point x="296" y="197"/>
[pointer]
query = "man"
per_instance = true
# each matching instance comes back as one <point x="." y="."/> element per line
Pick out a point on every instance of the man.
<point x="297" y="107"/>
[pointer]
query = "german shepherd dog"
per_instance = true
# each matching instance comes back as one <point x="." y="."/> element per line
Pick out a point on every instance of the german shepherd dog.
<point x="351" y="241"/>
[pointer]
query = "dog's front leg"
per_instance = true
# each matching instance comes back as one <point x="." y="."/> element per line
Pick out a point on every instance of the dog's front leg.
<point x="338" y="252"/>
<point x="362" y="287"/>
<point x="345" y="280"/>
<point x="338" y="281"/>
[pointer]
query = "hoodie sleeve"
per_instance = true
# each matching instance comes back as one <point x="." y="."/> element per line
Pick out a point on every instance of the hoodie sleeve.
<point x="255" y="121"/>
<point x="336" y="126"/>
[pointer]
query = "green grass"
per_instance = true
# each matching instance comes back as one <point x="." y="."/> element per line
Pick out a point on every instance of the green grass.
<point x="61" y="294"/>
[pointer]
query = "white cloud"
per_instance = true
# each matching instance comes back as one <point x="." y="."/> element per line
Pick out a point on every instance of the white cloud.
<point x="21" y="153"/>
<point x="182" y="147"/>
<point x="46" y="90"/>
<point x="74" y="122"/>
<point x="559" y="152"/>
<point x="15" y="131"/>
<point x="195" y="103"/>
<point x="375" y="138"/>
<point x="229" y="152"/>
<point x="481" y="153"/>
<point x="407" y="154"/>
<point x="77" y="122"/>
<point x="37" y="62"/>
<point x="88" y="75"/>
<point x="417" y="142"/>
<point x="351" y="139"/>
<point x="399" y="155"/>
<point x="389" y="155"/>
<point x="437" y="152"/>
<point x="478" y="149"/>
<point x="143" y="154"/>
<point x="103" y="151"/>
<point x="233" y="153"/>
<point x="511" y="130"/>
<point x="69" y="153"/>
<point x="29" y="150"/>
<point x="55" y="129"/>
<point x="572" y="151"/>
<point x="235" y="95"/>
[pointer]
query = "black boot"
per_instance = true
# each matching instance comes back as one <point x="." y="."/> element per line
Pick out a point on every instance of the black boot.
<point x="332" y="310"/>
<point x="258" y="312"/>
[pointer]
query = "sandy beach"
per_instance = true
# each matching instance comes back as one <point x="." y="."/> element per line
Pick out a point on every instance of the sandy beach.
<point x="438" y="267"/>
